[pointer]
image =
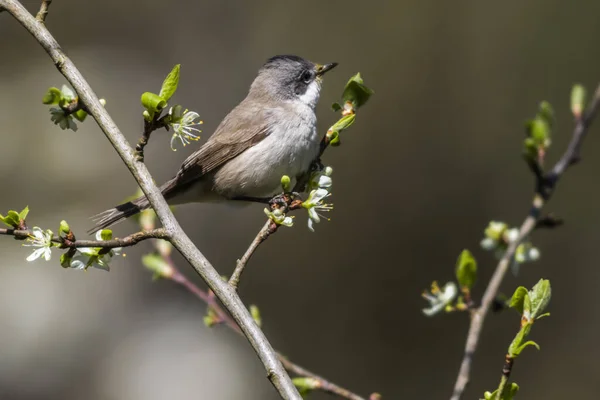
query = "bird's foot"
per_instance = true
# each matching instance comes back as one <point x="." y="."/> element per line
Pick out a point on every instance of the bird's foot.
<point x="286" y="202"/>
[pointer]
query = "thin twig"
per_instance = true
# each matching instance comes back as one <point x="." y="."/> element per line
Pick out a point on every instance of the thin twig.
<point x="41" y="15"/>
<point x="545" y="186"/>
<point x="65" y="243"/>
<point x="226" y="294"/>
<point x="269" y="228"/>
<point x="149" y="127"/>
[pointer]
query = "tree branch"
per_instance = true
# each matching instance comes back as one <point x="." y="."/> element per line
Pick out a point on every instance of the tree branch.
<point x="68" y="243"/>
<point x="545" y="186"/>
<point x="225" y="292"/>
<point x="269" y="228"/>
<point x="41" y="15"/>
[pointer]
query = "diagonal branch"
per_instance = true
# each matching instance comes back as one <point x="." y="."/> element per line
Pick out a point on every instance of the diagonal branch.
<point x="545" y="186"/>
<point x="41" y="15"/>
<point x="226" y="294"/>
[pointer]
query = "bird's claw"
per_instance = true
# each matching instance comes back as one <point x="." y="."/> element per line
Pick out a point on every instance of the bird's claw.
<point x="286" y="202"/>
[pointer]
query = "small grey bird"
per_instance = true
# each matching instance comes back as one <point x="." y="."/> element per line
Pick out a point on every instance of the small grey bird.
<point x="271" y="133"/>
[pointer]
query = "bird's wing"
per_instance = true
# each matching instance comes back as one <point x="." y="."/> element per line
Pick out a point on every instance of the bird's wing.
<point x="243" y="128"/>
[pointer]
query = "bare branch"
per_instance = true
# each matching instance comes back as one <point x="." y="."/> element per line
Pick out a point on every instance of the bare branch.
<point x="545" y="186"/>
<point x="269" y="228"/>
<point x="149" y="127"/>
<point x="41" y="15"/>
<point x="225" y="292"/>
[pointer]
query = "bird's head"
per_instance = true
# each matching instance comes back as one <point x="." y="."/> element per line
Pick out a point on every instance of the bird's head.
<point x="290" y="78"/>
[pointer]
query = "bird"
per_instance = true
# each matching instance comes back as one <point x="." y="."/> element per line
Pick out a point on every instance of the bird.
<point x="272" y="132"/>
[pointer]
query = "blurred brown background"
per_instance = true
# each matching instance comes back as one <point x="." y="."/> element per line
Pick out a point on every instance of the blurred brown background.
<point x="432" y="158"/>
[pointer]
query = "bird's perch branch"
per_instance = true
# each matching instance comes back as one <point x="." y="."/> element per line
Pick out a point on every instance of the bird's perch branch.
<point x="225" y="292"/>
<point x="545" y="186"/>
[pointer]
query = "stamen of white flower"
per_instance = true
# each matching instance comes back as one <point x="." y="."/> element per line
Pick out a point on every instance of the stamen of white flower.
<point x="184" y="129"/>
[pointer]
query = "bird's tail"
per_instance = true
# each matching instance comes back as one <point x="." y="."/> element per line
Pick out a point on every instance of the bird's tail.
<point x="121" y="212"/>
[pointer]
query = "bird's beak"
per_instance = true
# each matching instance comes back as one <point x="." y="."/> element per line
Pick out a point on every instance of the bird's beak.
<point x="321" y="69"/>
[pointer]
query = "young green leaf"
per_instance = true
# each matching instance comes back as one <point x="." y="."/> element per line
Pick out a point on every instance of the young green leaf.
<point x="508" y="394"/>
<point x="577" y="99"/>
<point x="24" y="212"/>
<point x="336" y="107"/>
<point x="466" y="269"/>
<point x="519" y="349"/>
<point x="255" y="312"/>
<point x="518" y="299"/>
<point x="170" y="83"/>
<point x="80" y="115"/>
<point x="546" y="113"/>
<point x="515" y="347"/>
<point x="53" y="96"/>
<point x="356" y="92"/>
<point x="306" y="384"/>
<point x="540" y="297"/>
<point x="153" y="102"/>
<point x="343" y="123"/>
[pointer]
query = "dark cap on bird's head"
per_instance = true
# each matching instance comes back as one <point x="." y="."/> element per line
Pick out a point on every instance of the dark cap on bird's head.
<point x="289" y="77"/>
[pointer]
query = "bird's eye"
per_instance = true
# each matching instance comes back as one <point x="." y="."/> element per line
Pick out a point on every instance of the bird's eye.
<point x="307" y="76"/>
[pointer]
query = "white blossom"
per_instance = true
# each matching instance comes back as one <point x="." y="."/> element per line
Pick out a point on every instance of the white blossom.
<point x="184" y="128"/>
<point x="41" y="239"/>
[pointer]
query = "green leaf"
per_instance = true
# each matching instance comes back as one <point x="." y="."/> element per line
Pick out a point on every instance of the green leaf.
<point x="306" y="384"/>
<point x="80" y="115"/>
<point x="509" y="393"/>
<point x="518" y="298"/>
<point x="52" y="96"/>
<point x="24" y="212"/>
<point x="528" y="343"/>
<point x="546" y="113"/>
<point x="540" y="297"/>
<point x="517" y="344"/>
<point x="466" y="269"/>
<point x="65" y="260"/>
<point x="153" y="102"/>
<point x="356" y="92"/>
<point x="543" y="315"/>
<point x="255" y="312"/>
<point x="170" y="83"/>
<point x="527" y="305"/>
<point x="578" y="96"/>
<point x="336" y="107"/>
<point x="14" y="216"/>
<point x="343" y="123"/>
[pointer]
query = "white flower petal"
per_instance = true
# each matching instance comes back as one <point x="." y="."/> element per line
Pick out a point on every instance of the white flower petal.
<point x="36" y="254"/>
